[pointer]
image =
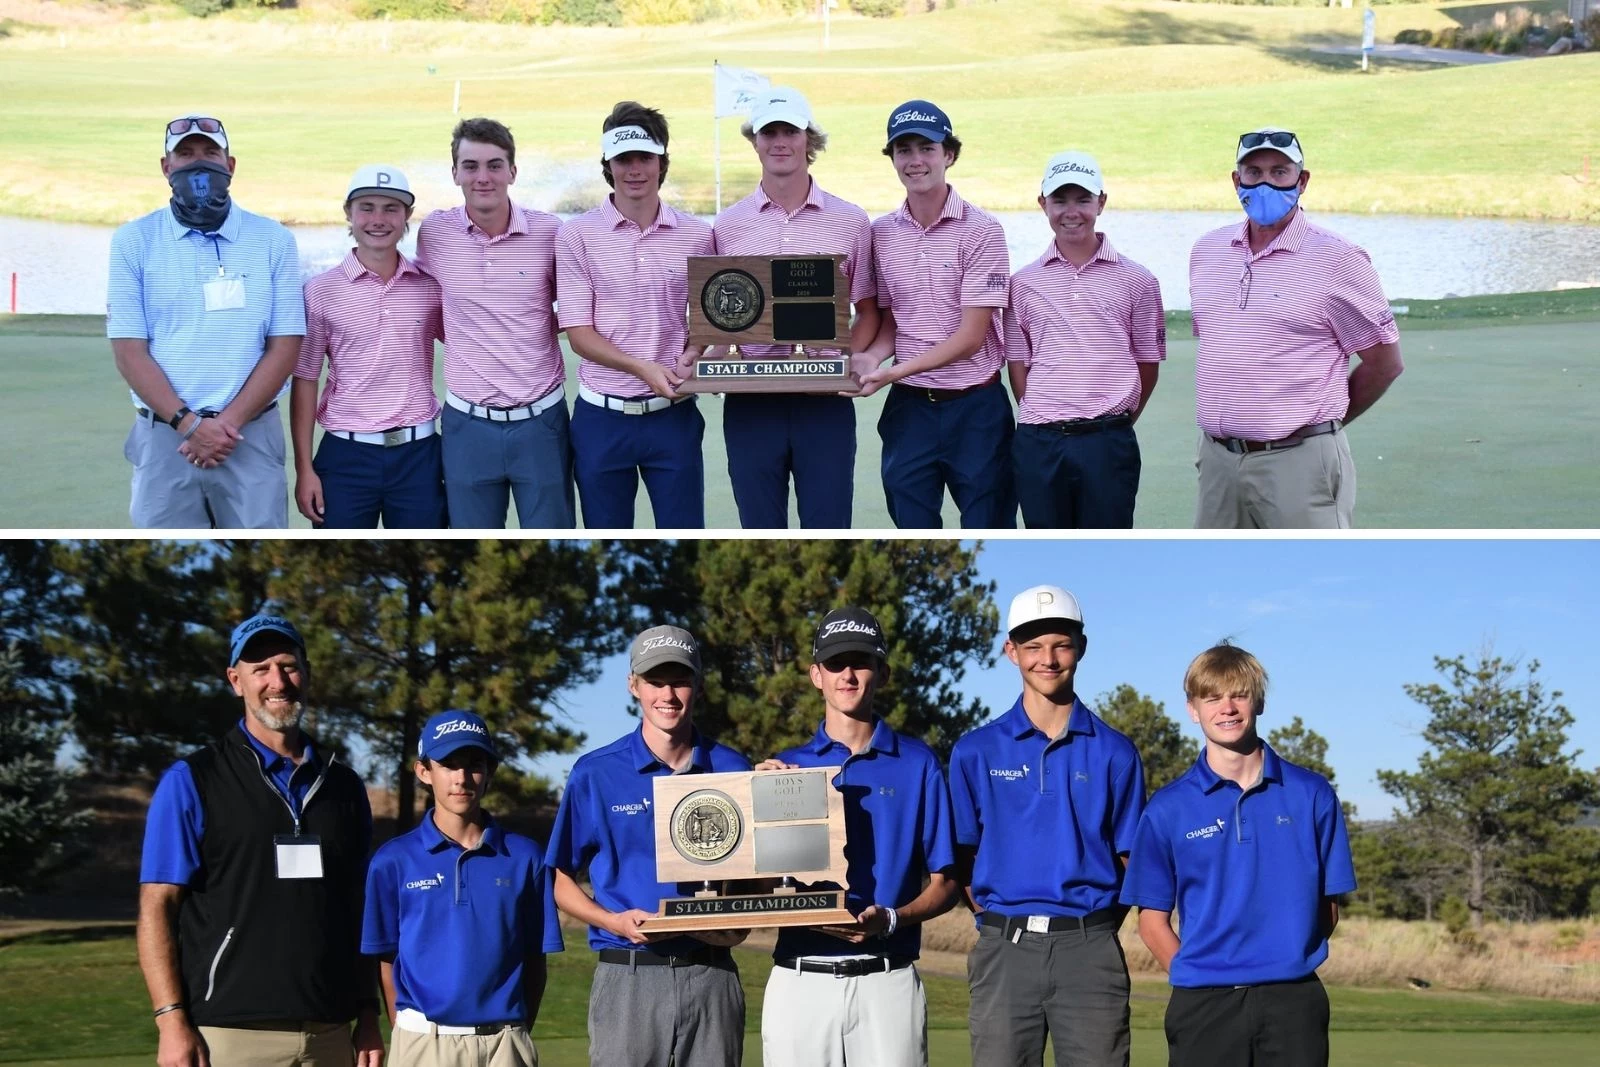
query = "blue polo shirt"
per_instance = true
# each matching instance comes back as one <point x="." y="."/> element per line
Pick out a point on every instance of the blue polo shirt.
<point x="176" y="822"/>
<point x="1047" y="815"/>
<point x="897" y="829"/>
<point x="460" y="923"/>
<point x="1246" y="869"/>
<point x="156" y="292"/>
<point x="604" y="824"/>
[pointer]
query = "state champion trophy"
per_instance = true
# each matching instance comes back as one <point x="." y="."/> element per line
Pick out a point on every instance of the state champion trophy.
<point x="791" y="301"/>
<point x="777" y="829"/>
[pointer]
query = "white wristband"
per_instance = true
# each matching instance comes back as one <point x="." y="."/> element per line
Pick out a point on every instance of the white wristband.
<point x="894" y="922"/>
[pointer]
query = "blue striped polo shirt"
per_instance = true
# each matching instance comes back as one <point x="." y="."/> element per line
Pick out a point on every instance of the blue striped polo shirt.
<point x="159" y="269"/>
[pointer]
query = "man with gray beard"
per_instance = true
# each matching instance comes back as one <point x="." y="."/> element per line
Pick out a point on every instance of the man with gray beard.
<point x="251" y="884"/>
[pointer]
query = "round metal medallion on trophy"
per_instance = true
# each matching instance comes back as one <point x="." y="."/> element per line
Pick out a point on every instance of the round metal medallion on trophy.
<point x="706" y="826"/>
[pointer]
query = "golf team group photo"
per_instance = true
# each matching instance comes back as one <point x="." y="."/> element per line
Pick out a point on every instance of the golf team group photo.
<point x="1009" y="391"/>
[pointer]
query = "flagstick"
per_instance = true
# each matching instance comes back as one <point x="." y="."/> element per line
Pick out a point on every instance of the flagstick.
<point x="716" y="136"/>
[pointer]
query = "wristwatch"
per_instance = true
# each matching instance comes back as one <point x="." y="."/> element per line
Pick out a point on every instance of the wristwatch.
<point x="178" y="417"/>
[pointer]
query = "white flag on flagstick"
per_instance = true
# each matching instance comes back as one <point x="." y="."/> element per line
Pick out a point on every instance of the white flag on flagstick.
<point x="736" y="89"/>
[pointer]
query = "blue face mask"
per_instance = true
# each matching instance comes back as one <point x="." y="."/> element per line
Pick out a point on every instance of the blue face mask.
<point x="1268" y="204"/>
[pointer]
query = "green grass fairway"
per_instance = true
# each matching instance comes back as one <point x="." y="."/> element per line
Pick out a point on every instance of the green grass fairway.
<point x="77" y="998"/>
<point x="1492" y="426"/>
<point x="1157" y="90"/>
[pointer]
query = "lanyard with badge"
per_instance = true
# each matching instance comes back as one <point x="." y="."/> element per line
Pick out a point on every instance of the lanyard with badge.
<point x="225" y="292"/>
<point x="297" y="855"/>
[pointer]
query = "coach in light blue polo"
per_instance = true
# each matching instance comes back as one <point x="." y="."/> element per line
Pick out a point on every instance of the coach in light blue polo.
<point x="650" y="999"/>
<point x="1047" y="800"/>
<point x="204" y="313"/>
<point x="462" y="912"/>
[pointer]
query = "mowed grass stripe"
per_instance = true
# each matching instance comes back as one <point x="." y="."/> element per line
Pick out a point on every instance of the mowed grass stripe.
<point x="1157" y="90"/>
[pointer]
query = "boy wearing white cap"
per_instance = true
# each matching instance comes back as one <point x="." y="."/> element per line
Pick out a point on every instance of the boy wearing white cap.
<point x="622" y="293"/>
<point x="775" y="436"/>
<point x="1085" y="337"/>
<point x="1047" y="800"/>
<point x="460" y="913"/>
<point x="373" y="319"/>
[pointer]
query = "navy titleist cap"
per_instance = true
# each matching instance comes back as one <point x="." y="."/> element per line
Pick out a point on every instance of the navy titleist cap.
<point x="922" y="118"/>
<point x="258" y="624"/>
<point x="848" y="630"/>
<point x="451" y="731"/>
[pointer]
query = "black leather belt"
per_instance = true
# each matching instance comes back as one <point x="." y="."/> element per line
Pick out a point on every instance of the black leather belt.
<point x="1010" y="926"/>
<point x="206" y="413"/>
<point x="1070" y="427"/>
<point x="645" y="958"/>
<point x="938" y="396"/>
<point x="845" y="968"/>
<point x="1316" y="429"/>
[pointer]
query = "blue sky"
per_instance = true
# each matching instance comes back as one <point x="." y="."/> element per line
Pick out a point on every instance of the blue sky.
<point x="1339" y="625"/>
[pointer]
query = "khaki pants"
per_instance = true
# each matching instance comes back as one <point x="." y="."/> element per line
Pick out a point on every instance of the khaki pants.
<point x="275" y="1044"/>
<point x="511" y="1047"/>
<point x="1309" y="487"/>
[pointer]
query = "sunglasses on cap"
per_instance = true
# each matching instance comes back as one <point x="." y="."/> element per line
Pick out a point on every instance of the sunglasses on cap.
<point x="1275" y="139"/>
<point x="178" y="127"/>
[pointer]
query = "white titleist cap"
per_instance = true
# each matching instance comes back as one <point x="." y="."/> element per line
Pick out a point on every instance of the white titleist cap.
<point x="1040" y="603"/>
<point x="781" y="104"/>
<point x="1276" y="138"/>
<point x="381" y="180"/>
<point x="622" y="139"/>
<point x="1072" y="168"/>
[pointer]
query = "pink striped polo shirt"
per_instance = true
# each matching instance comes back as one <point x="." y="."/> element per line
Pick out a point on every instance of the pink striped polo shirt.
<point x="1277" y="328"/>
<point x="926" y="276"/>
<point x="1081" y="332"/>
<point x="823" y="225"/>
<point x="632" y="286"/>
<point x="500" y="346"/>
<point x="378" y="339"/>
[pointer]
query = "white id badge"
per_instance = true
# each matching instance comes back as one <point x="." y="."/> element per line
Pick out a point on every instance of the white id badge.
<point x="298" y="857"/>
<point x="225" y="292"/>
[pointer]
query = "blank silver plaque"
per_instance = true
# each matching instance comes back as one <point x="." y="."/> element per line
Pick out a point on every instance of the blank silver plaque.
<point x="790" y="797"/>
<point x="782" y="849"/>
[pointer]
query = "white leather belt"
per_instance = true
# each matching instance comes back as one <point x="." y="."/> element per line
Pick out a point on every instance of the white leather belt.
<point x="414" y="1021"/>
<point x="643" y="406"/>
<point x="400" y="435"/>
<point x="517" y="414"/>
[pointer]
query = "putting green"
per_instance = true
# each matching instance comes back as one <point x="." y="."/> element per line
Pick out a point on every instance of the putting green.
<point x="1492" y="426"/>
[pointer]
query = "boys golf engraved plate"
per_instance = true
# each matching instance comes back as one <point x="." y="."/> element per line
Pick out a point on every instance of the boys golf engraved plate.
<point x="773" y="831"/>
<point x="798" y="302"/>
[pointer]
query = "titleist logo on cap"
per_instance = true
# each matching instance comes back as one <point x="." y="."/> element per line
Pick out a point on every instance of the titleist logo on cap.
<point x="653" y="643"/>
<point x="633" y="134"/>
<point x="1069" y="167"/>
<point x="914" y="115"/>
<point x="456" y="726"/>
<point x="846" y="626"/>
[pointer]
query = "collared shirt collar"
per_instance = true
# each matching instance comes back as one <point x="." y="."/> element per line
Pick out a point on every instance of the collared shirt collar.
<point x="352" y="267"/>
<point x="954" y="208"/>
<point x="645" y="760"/>
<point x="270" y="760"/>
<point x="883" y="739"/>
<point x="813" y="198"/>
<point x="519" y="224"/>
<point x="1210" y="781"/>
<point x="665" y="216"/>
<point x="1018" y="725"/>
<point x="1289" y="240"/>
<point x="1104" y="252"/>
<point x="434" y="840"/>
<point x="228" y="231"/>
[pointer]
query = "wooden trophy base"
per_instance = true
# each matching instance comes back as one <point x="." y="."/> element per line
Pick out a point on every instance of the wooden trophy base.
<point x="823" y="907"/>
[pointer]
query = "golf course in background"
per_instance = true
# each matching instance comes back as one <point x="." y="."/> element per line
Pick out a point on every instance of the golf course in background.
<point x="1158" y="90"/>
<point x="1492" y="425"/>
<point x="74" y="998"/>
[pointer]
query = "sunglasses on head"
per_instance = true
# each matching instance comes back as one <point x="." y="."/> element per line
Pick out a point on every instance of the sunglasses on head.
<point x="178" y="127"/>
<point x="1275" y="139"/>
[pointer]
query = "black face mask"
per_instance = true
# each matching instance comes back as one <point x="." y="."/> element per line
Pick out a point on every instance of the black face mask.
<point x="200" y="195"/>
